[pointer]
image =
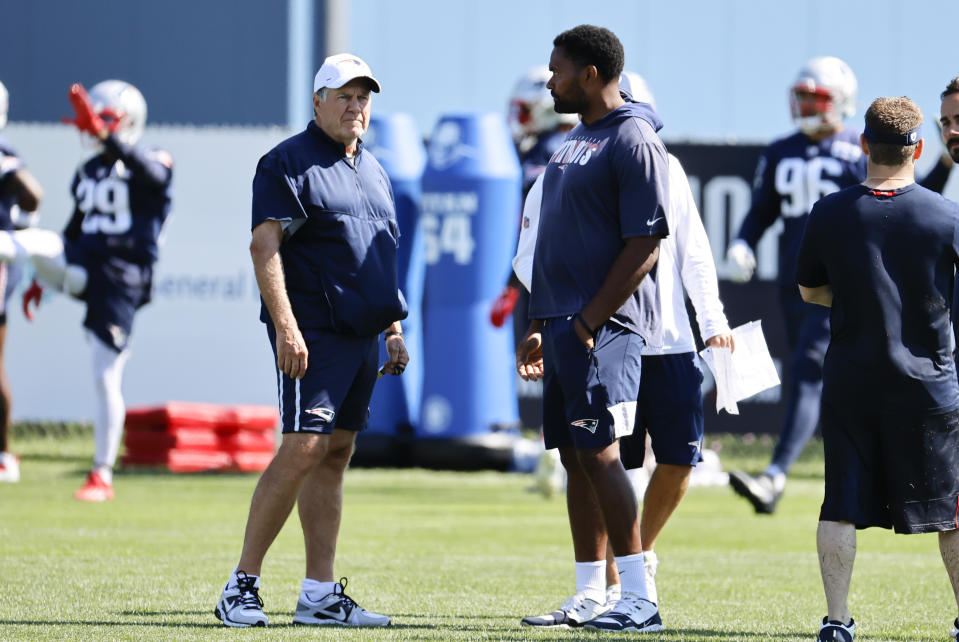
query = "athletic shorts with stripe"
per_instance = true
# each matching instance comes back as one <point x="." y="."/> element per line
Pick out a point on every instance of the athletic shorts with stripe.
<point x="889" y="468"/>
<point x="336" y="390"/>
<point x="589" y="396"/>
<point x="670" y="410"/>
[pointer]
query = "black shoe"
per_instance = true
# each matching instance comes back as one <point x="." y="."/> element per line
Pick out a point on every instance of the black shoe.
<point x="760" y="491"/>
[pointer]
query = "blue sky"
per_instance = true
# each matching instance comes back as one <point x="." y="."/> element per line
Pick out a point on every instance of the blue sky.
<point x="719" y="69"/>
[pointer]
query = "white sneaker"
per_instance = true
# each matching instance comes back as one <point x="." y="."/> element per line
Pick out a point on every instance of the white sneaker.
<point x="631" y="614"/>
<point x="337" y="609"/>
<point x="574" y="612"/>
<point x="9" y="468"/>
<point x="240" y="605"/>
<point x="652" y="563"/>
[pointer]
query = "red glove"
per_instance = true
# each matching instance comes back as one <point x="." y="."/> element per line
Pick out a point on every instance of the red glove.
<point x="87" y="119"/>
<point x="503" y="306"/>
<point x="31" y="295"/>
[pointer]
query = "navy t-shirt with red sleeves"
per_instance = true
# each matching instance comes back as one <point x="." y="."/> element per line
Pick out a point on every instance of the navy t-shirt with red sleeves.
<point x="889" y="258"/>
<point x="607" y="183"/>
<point x="339" y="249"/>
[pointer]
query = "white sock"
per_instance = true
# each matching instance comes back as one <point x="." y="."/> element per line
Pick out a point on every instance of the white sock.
<point x="105" y="472"/>
<point x="316" y="590"/>
<point x="111" y="412"/>
<point x="591" y="580"/>
<point x="232" y="581"/>
<point x="632" y="574"/>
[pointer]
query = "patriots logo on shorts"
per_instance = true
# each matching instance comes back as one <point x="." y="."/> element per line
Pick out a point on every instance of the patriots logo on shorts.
<point x="323" y="413"/>
<point x="588" y="424"/>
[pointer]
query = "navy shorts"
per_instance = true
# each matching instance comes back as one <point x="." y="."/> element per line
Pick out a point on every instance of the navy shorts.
<point x="890" y="469"/>
<point x="115" y="290"/>
<point x="589" y="397"/>
<point x="335" y="392"/>
<point x="9" y="279"/>
<point x="670" y="410"/>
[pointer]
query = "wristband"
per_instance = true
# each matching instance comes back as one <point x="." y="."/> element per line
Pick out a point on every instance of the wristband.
<point x="392" y="333"/>
<point x="579" y="318"/>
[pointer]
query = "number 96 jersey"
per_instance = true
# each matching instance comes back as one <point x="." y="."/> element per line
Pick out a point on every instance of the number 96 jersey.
<point x="122" y="199"/>
<point x="793" y="173"/>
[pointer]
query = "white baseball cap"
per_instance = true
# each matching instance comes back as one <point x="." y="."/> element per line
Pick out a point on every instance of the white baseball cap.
<point x="339" y="69"/>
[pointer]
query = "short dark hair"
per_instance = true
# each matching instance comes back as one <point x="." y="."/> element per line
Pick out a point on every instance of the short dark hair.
<point x="951" y="88"/>
<point x="894" y="116"/>
<point x="597" y="46"/>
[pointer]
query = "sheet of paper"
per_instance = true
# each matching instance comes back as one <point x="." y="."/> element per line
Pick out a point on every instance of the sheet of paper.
<point x="742" y="373"/>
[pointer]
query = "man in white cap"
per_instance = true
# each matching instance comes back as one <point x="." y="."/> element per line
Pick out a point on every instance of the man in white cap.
<point x="324" y="255"/>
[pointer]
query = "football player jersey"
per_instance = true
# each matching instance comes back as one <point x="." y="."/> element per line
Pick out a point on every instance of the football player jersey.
<point x="122" y="198"/>
<point x="889" y="259"/>
<point x="793" y="173"/>
<point x="10" y="162"/>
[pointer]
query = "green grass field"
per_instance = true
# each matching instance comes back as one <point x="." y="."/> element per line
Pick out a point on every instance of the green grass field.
<point x="451" y="556"/>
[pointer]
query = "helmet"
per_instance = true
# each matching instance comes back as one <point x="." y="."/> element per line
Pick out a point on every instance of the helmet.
<point x="122" y="107"/>
<point x="636" y="88"/>
<point x="531" y="106"/>
<point x="823" y="95"/>
<point x="4" y="105"/>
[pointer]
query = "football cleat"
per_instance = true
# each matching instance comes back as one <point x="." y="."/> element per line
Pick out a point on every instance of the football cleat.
<point x="574" y="612"/>
<point x="631" y="614"/>
<point x="95" y="489"/>
<point x="836" y="631"/>
<point x="336" y="609"/>
<point x="761" y="491"/>
<point x="9" y="468"/>
<point x="240" y="605"/>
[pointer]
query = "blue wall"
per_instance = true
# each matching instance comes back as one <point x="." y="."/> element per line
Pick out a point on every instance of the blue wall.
<point x="196" y="62"/>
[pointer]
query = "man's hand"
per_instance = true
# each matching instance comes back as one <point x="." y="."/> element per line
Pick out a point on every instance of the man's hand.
<point x="583" y="331"/>
<point x="87" y="120"/>
<point x="32" y="294"/>
<point x="529" y="354"/>
<point x="740" y="261"/>
<point x="503" y="306"/>
<point x="291" y="352"/>
<point x="722" y="341"/>
<point x="396" y="351"/>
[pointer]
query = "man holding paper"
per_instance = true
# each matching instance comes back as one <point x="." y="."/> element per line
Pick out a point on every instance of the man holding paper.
<point x="882" y="255"/>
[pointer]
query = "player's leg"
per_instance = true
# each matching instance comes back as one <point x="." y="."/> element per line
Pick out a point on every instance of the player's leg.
<point x="46" y="250"/>
<point x="349" y="365"/>
<point x="9" y="463"/>
<point x="854" y="495"/>
<point x="949" y="549"/>
<point x="802" y="414"/>
<point x="836" y="546"/>
<point x="108" y="364"/>
<point x="601" y="387"/>
<point x="585" y="520"/>
<point x="306" y="439"/>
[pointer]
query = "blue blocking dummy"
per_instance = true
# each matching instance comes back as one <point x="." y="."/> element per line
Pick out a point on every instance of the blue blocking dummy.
<point x="395" y="142"/>
<point x="470" y="221"/>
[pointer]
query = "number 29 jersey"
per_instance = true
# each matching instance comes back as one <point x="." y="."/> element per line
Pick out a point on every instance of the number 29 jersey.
<point x="122" y="200"/>
<point x="793" y="173"/>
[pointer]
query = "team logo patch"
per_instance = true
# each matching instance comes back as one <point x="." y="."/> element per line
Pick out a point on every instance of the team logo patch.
<point x="323" y="413"/>
<point x="588" y="424"/>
